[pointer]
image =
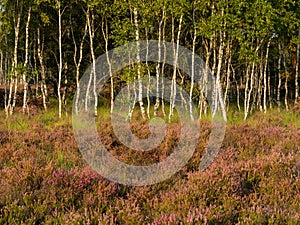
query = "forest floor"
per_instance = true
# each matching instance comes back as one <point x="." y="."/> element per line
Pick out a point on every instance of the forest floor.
<point x="255" y="179"/>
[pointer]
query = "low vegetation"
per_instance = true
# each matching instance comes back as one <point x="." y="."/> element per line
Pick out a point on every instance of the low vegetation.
<point x="254" y="180"/>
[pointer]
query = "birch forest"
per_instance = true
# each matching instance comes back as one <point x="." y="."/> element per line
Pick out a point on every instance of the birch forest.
<point x="152" y="144"/>
<point x="251" y="48"/>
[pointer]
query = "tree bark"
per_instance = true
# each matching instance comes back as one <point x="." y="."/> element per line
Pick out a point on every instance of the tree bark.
<point x="78" y="63"/>
<point x="297" y="71"/>
<point x="40" y="52"/>
<point x="60" y="68"/>
<point x="157" y="69"/>
<point x="138" y="60"/>
<point x="106" y="37"/>
<point x="279" y="77"/>
<point x="26" y="60"/>
<point x="173" y="87"/>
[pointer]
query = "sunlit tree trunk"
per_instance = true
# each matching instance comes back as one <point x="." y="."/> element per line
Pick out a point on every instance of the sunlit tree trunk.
<point x="5" y="75"/>
<point x="149" y="75"/>
<point x="286" y="82"/>
<point x="90" y="22"/>
<point x="297" y="71"/>
<point x="173" y="87"/>
<point x="138" y="60"/>
<point x="228" y="70"/>
<point x="40" y="52"/>
<point x="279" y="77"/>
<point x="157" y="69"/>
<point x="265" y="74"/>
<point x="78" y="62"/>
<point x="60" y="68"/>
<point x="219" y="94"/>
<point x="192" y="74"/>
<point x="15" y="59"/>
<point x="106" y="37"/>
<point x="26" y="60"/>
<point x="163" y="69"/>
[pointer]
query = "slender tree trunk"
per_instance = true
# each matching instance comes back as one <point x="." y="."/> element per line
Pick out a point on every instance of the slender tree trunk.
<point x="138" y="60"/>
<point x="219" y="94"/>
<point x="78" y="63"/>
<point x="246" y="93"/>
<point x="297" y="72"/>
<point x="270" y="93"/>
<point x="162" y="70"/>
<point x="26" y="60"/>
<point x="237" y="88"/>
<point x="173" y="87"/>
<point x="157" y="69"/>
<point x="192" y="74"/>
<point x="265" y="75"/>
<point x="286" y="82"/>
<point x="228" y="53"/>
<point x="1" y="68"/>
<point x="279" y="77"/>
<point x="260" y="86"/>
<point x="60" y="68"/>
<point x="149" y="75"/>
<point x="5" y="76"/>
<point x="15" y="61"/>
<point x="40" y="52"/>
<point x="93" y="71"/>
<point x="250" y="91"/>
<point x="105" y="36"/>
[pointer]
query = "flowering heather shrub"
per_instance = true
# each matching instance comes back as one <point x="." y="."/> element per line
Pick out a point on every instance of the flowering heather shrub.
<point x="254" y="180"/>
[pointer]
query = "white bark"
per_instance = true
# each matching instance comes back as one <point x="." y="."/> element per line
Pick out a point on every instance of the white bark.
<point x="105" y="36"/>
<point x="286" y="82"/>
<point x="157" y="69"/>
<point x="90" y="22"/>
<point x="219" y="95"/>
<point x="40" y="50"/>
<point x="26" y="60"/>
<point x="297" y="71"/>
<point x="173" y="87"/>
<point x="265" y="74"/>
<point x="78" y="63"/>
<point x="60" y="68"/>
<point x="192" y="74"/>
<point x="279" y="78"/>
<point x="15" y="60"/>
<point x="138" y="60"/>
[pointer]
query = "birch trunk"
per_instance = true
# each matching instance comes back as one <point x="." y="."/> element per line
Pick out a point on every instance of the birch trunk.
<point x="149" y="75"/>
<point x="157" y="69"/>
<point x="173" y="87"/>
<point x="162" y="70"/>
<point x="279" y="78"/>
<point x="285" y="83"/>
<point x="60" y="67"/>
<point x="297" y="71"/>
<point x="106" y="37"/>
<point x="5" y="76"/>
<point x="246" y="93"/>
<point x="192" y="74"/>
<point x="40" y="52"/>
<point x="90" y="22"/>
<point x="26" y="60"/>
<point x="138" y="60"/>
<point x="265" y="75"/>
<point x="78" y="63"/>
<point x="15" y="60"/>
<point x="219" y="95"/>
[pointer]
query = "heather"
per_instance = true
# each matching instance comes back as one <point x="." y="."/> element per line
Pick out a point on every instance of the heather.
<point x="254" y="180"/>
